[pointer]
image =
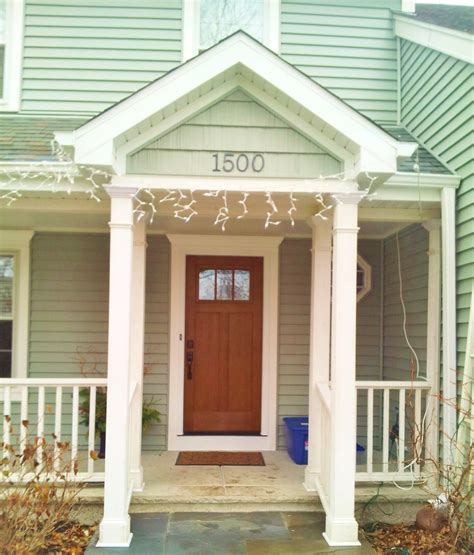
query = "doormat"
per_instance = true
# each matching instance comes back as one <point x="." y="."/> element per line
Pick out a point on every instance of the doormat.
<point x="220" y="458"/>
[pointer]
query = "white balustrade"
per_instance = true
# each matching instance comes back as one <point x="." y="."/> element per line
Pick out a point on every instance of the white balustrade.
<point x="48" y="411"/>
<point x="397" y="414"/>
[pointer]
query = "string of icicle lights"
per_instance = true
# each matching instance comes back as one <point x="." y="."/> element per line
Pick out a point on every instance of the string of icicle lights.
<point x="62" y="175"/>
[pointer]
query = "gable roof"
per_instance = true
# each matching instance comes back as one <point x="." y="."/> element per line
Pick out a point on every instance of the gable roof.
<point x="28" y="139"/>
<point x="459" y="18"/>
<point x="237" y="61"/>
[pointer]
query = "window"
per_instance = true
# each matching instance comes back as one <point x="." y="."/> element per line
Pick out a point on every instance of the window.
<point x="7" y="272"/>
<point x="224" y="285"/>
<point x="14" y="302"/>
<point x="364" y="278"/>
<point x="220" y="18"/>
<point x="11" y="41"/>
<point x="206" y="22"/>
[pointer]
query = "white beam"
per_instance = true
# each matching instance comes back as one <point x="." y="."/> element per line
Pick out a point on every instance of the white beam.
<point x="320" y="337"/>
<point x="341" y="526"/>
<point x="115" y="524"/>
<point x="448" y="228"/>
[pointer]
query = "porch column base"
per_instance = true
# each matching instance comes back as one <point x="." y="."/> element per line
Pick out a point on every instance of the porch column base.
<point x="115" y="532"/>
<point x="342" y="532"/>
<point x="136" y="475"/>
<point x="310" y="479"/>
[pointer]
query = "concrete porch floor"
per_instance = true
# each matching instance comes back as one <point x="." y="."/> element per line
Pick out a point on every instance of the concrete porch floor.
<point x="278" y="486"/>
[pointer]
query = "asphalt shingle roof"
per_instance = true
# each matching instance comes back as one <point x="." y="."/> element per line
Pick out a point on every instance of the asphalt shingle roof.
<point x="460" y="18"/>
<point x="426" y="161"/>
<point x="28" y="139"/>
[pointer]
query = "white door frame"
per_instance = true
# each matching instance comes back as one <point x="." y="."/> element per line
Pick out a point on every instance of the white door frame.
<point x="268" y="249"/>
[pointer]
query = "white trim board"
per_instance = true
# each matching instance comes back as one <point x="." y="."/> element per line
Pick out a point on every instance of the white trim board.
<point x="17" y="243"/>
<point x="448" y="41"/>
<point x="268" y="248"/>
<point x="10" y="97"/>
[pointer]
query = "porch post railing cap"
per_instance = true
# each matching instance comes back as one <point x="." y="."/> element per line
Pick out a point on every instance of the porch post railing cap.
<point x="353" y="197"/>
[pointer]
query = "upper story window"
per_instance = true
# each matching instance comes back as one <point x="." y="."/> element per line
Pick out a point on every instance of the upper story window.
<point x="11" y="44"/>
<point x="220" y="18"/>
<point x="206" y="22"/>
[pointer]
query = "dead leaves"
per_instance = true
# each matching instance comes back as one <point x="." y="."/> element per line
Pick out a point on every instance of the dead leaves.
<point x="409" y="540"/>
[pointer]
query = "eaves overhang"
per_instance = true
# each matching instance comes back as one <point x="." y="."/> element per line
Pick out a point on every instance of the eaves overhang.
<point x="457" y="44"/>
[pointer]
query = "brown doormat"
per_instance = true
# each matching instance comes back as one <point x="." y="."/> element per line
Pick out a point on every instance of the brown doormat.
<point x="220" y="458"/>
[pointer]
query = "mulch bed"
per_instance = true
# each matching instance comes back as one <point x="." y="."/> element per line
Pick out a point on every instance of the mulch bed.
<point x="409" y="540"/>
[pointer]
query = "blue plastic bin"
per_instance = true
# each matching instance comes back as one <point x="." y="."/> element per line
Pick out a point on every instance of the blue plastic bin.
<point x="296" y="430"/>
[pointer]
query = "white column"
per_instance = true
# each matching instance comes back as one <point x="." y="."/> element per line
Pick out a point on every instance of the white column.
<point x="115" y="525"/>
<point x="320" y="337"/>
<point x="341" y="526"/>
<point x="137" y="353"/>
<point x="448" y="234"/>
<point x="433" y="336"/>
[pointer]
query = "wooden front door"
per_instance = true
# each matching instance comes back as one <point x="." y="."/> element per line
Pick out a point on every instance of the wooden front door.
<point x="223" y="345"/>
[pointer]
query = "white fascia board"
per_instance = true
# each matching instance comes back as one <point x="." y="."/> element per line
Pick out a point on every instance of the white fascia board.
<point x="406" y="149"/>
<point x="97" y="136"/>
<point x="236" y="184"/>
<point x="448" y="41"/>
<point x="435" y="180"/>
<point x="64" y="138"/>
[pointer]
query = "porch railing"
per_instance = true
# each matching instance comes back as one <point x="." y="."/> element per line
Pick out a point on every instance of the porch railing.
<point x="48" y="410"/>
<point x="392" y="419"/>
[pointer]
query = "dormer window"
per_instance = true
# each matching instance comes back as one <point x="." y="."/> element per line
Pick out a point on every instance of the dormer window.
<point x="11" y="41"/>
<point x="206" y="22"/>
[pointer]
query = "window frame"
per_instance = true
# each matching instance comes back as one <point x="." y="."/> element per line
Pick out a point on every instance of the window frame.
<point x="17" y="244"/>
<point x="12" y="70"/>
<point x="367" y="269"/>
<point x="191" y="27"/>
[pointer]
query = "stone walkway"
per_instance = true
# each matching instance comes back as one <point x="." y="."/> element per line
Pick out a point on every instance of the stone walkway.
<point x="259" y="533"/>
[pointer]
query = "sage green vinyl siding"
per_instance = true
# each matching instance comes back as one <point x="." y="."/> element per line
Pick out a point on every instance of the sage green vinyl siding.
<point x="348" y="47"/>
<point x="294" y="330"/>
<point x="294" y="324"/>
<point x="69" y="315"/>
<point x="157" y="338"/>
<point x="236" y="124"/>
<point x="437" y="107"/>
<point x="414" y="270"/>
<point x="84" y="56"/>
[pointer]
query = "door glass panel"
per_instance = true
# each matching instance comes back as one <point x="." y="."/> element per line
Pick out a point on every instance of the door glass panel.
<point x="224" y="285"/>
<point x="207" y="285"/>
<point x="241" y="285"/>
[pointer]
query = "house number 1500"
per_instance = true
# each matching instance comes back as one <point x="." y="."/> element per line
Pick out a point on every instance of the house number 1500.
<point x="231" y="161"/>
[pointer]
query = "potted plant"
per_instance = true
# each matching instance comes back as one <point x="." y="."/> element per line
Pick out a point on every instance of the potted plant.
<point x="149" y="414"/>
<point x="90" y="365"/>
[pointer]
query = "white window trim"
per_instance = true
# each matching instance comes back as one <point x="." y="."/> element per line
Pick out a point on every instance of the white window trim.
<point x="18" y="244"/>
<point x="191" y="9"/>
<point x="10" y="100"/>
<point x="268" y="248"/>
<point x="367" y="277"/>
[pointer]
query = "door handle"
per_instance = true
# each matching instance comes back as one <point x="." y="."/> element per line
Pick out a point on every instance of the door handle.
<point x="189" y="361"/>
